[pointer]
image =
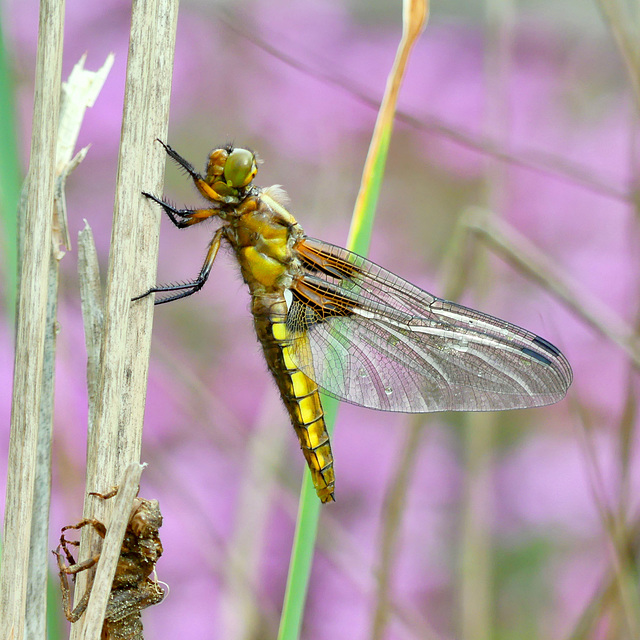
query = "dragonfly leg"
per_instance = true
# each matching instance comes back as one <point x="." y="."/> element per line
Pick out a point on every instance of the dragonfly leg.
<point x="188" y="288"/>
<point x="203" y="183"/>
<point x="100" y="529"/>
<point x="73" y="615"/>
<point x="178" y="159"/>
<point x="189" y="216"/>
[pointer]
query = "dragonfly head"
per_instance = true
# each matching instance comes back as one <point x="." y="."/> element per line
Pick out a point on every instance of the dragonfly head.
<point x="241" y="168"/>
<point x="230" y="169"/>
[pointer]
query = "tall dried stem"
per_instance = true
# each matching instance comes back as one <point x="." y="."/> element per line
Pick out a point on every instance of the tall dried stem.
<point x="114" y="440"/>
<point x="31" y="322"/>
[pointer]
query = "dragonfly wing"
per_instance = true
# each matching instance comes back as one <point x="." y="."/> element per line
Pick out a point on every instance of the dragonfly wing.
<point x="371" y="338"/>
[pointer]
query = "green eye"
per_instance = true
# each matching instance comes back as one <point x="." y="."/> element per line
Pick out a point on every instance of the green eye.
<point x="240" y="168"/>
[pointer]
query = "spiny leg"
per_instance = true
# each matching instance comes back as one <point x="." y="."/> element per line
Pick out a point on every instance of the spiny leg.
<point x="189" y="288"/>
<point x="202" y="183"/>
<point x="178" y="159"/>
<point x="189" y="216"/>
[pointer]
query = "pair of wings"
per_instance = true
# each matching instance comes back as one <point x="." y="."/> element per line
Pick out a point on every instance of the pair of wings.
<point x="371" y="338"/>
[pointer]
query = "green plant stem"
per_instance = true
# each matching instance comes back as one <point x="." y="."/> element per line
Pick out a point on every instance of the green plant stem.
<point x="304" y="541"/>
<point x="415" y="13"/>
<point x="10" y="181"/>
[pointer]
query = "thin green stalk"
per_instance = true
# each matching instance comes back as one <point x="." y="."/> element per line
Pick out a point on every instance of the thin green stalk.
<point x="414" y="19"/>
<point x="304" y="541"/>
<point x="10" y="181"/>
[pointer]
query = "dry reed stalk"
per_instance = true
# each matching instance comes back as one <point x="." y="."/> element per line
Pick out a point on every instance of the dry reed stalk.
<point x="115" y="437"/>
<point x="79" y="92"/>
<point x="31" y="322"/>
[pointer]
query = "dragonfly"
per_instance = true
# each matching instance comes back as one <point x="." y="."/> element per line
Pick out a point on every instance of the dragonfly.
<point x="331" y="320"/>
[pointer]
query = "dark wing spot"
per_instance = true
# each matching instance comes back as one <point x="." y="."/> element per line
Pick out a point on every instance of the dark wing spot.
<point x="534" y="354"/>
<point x="545" y="344"/>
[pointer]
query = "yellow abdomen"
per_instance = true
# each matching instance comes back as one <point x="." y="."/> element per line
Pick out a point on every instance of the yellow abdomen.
<point x="299" y="393"/>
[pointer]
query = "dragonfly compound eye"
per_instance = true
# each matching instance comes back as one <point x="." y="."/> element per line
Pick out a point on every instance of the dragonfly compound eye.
<point x="240" y="168"/>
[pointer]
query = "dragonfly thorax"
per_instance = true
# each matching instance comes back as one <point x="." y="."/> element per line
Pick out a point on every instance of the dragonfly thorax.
<point x="263" y="234"/>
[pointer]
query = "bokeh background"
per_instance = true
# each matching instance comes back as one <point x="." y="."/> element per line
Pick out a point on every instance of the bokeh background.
<point x="501" y="531"/>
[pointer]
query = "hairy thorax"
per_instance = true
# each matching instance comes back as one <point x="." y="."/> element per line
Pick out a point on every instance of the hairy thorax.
<point x="262" y="233"/>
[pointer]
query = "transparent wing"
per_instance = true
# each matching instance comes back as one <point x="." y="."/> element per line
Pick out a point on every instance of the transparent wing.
<point x="373" y="339"/>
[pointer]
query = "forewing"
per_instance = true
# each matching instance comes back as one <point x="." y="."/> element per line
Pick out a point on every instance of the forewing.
<point x="371" y="338"/>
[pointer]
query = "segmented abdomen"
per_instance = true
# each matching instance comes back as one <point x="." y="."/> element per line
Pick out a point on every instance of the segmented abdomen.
<point x="299" y="393"/>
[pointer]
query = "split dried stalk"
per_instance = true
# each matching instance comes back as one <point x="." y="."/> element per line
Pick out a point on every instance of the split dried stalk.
<point x="79" y="92"/>
<point x="115" y="439"/>
<point x="31" y="322"/>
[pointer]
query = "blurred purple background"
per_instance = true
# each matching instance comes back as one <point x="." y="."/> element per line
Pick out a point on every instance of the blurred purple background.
<point x="223" y="459"/>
